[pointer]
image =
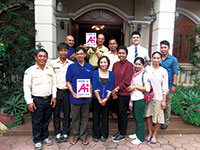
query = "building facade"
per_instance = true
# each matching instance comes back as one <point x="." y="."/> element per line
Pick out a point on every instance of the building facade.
<point x="157" y="20"/>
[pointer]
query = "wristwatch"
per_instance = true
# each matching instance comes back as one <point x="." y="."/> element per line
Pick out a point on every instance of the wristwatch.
<point x="116" y="90"/>
<point x="174" y="85"/>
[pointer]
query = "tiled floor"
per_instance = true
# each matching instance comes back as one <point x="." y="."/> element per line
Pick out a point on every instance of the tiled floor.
<point x="165" y="142"/>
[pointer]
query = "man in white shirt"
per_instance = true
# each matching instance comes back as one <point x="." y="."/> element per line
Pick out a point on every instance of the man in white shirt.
<point x="113" y="57"/>
<point x="135" y="50"/>
<point x="60" y="66"/>
<point x="112" y="54"/>
<point x="40" y="95"/>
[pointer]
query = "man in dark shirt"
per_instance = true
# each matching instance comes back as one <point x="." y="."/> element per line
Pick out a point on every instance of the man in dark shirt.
<point x="79" y="105"/>
<point x="70" y="42"/>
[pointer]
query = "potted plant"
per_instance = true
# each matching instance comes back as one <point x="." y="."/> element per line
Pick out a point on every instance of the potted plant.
<point x="13" y="109"/>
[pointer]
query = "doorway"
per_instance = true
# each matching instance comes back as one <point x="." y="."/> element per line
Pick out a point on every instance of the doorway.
<point x="109" y="31"/>
<point x="112" y="22"/>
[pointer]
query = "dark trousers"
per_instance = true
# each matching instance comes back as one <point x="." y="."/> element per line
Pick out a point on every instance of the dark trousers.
<point x="41" y="118"/>
<point x="123" y="103"/>
<point x="100" y="120"/>
<point x="138" y="113"/>
<point x="113" y="105"/>
<point x="80" y="116"/>
<point x="62" y="101"/>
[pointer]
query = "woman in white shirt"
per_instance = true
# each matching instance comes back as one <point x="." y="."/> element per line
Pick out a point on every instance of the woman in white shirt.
<point x="139" y="84"/>
<point x="155" y="109"/>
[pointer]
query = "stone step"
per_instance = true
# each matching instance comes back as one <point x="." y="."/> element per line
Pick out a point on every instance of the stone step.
<point x="173" y="118"/>
<point x="176" y="126"/>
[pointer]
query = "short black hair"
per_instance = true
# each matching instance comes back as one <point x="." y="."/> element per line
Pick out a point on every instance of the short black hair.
<point x="140" y="59"/>
<point x="62" y="45"/>
<point x="135" y="33"/>
<point x="40" y="50"/>
<point x="80" y="48"/>
<point x="108" y="60"/>
<point x="122" y="47"/>
<point x="112" y="38"/>
<point x="165" y="42"/>
<point x="157" y="52"/>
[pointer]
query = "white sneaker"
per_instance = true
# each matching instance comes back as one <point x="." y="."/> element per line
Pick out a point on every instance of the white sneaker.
<point x="48" y="141"/>
<point x="38" y="146"/>
<point x="132" y="136"/>
<point x="136" y="141"/>
<point x="58" y="135"/>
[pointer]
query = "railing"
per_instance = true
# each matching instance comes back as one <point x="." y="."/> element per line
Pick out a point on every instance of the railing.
<point x="185" y="77"/>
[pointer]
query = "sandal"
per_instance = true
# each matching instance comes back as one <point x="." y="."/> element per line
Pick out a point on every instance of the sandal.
<point x="74" y="141"/>
<point x="148" y="139"/>
<point x="153" y="141"/>
<point x="85" y="142"/>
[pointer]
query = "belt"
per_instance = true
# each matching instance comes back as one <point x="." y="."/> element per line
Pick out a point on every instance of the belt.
<point x="62" y="89"/>
<point x="43" y="97"/>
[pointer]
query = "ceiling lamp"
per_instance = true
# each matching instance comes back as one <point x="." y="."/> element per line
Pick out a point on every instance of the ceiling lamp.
<point x="98" y="27"/>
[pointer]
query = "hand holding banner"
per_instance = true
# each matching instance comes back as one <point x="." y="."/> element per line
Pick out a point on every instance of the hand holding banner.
<point x="91" y="39"/>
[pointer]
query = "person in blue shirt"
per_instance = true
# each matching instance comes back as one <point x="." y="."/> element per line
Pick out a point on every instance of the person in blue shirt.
<point x="69" y="40"/>
<point x="79" y="105"/>
<point x="170" y="63"/>
<point x="103" y="83"/>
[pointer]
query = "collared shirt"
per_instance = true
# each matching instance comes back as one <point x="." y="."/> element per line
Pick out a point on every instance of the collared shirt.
<point x="38" y="82"/>
<point x="60" y="71"/>
<point x="159" y="81"/>
<point x="171" y="65"/>
<point x="70" y="53"/>
<point x="78" y="72"/>
<point x="113" y="59"/>
<point x="93" y="59"/>
<point x="123" y="75"/>
<point x="142" y="52"/>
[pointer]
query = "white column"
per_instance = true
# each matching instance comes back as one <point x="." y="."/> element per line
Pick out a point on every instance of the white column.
<point x="163" y="27"/>
<point x="45" y="24"/>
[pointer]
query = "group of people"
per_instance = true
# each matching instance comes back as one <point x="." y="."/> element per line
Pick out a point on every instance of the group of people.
<point x="118" y="78"/>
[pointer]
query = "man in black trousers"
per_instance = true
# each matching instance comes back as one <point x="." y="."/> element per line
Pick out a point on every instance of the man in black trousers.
<point x="40" y="95"/>
<point x="60" y="66"/>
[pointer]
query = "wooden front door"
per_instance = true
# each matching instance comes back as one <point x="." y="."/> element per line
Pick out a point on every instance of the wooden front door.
<point x="112" y="22"/>
<point x="182" y="49"/>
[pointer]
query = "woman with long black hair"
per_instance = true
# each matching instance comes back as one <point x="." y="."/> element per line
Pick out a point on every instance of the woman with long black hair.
<point x="155" y="109"/>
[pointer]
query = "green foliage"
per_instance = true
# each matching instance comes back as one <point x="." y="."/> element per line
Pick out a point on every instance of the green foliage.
<point x="176" y="105"/>
<point x="18" y="120"/>
<point x="186" y="103"/>
<point x="192" y="115"/>
<point x="16" y="45"/>
<point x="17" y="34"/>
<point x="195" y="58"/>
<point x="16" y="104"/>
